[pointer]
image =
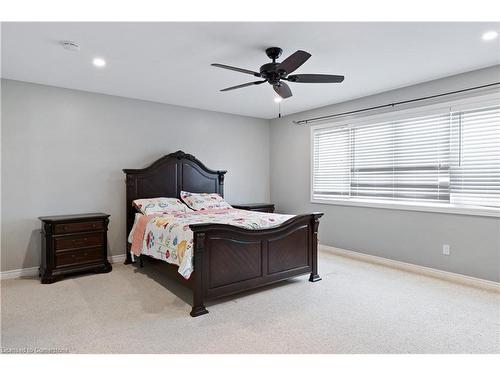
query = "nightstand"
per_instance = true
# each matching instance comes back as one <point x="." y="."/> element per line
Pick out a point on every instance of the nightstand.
<point x="260" y="207"/>
<point x="73" y="244"/>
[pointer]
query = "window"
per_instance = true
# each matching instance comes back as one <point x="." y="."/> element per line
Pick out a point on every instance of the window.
<point x="443" y="158"/>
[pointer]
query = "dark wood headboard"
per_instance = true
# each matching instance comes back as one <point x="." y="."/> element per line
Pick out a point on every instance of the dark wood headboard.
<point x="167" y="176"/>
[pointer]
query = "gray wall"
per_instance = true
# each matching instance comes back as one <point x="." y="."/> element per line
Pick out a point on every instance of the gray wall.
<point x="63" y="152"/>
<point x="408" y="236"/>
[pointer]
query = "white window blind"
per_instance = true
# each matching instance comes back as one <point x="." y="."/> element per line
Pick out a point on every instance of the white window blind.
<point x="332" y="165"/>
<point x="475" y="174"/>
<point x="447" y="157"/>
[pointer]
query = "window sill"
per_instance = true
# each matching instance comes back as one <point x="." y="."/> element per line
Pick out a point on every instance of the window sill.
<point x="440" y="208"/>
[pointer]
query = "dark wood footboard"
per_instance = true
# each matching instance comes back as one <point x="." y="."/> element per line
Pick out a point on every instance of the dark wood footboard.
<point x="229" y="260"/>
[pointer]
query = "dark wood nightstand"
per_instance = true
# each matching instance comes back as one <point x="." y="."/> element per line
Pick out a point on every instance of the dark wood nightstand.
<point x="260" y="207"/>
<point x="73" y="244"/>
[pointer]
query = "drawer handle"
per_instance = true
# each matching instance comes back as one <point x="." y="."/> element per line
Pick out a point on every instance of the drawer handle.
<point x="75" y="255"/>
<point x="80" y="242"/>
<point x="65" y="228"/>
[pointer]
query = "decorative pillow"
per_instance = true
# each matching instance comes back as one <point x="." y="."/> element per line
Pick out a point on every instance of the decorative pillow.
<point x="204" y="201"/>
<point x="159" y="205"/>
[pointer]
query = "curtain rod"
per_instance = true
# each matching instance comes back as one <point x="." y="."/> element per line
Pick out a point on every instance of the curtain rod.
<point x="306" y="121"/>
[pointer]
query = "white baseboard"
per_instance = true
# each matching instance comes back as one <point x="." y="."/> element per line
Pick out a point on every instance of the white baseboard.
<point x="117" y="258"/>
<point x="33" y="271"/>
<point x="431" y="272"/>
<point x="22" y="272"/>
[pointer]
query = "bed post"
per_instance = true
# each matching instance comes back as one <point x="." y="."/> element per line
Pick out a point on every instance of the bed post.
<point x="315" y="224"/>
<point x="221" y="182"/>
<point x="198" y="306"/>
<point x="130" y="187"/>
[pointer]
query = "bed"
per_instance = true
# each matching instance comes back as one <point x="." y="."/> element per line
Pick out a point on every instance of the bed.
<point x="226" y="259"/>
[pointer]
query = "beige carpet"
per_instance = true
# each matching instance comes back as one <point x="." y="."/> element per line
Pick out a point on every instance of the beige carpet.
<point x="357" y="308"/>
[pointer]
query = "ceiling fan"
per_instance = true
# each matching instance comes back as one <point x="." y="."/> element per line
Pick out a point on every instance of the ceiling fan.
<point x="275" y="72"/>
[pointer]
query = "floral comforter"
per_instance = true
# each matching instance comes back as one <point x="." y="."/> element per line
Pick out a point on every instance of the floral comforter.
<point x="168" y="237"/>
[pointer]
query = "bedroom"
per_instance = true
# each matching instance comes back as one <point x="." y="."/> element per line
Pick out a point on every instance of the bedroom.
<point x="345" y="201"/>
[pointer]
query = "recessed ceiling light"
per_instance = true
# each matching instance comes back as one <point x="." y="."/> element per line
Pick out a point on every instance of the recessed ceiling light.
<point x="100" y="63"/>
<point x="490" y="35"/>
<point x="278" y="99"/>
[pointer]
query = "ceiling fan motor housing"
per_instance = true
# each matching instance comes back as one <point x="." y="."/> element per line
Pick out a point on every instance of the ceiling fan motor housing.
<point x="272" y="73"/>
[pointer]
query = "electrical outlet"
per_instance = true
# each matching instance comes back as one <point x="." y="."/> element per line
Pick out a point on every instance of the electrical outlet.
<point x="446" y="249"/>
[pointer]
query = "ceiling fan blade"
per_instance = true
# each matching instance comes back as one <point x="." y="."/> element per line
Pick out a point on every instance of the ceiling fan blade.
<point x="293" y="61"/>
<point x="237" y="69"/>
<point x="243" y="85"/>
<point x="283" y="90"/>
<point x="315" y="78"/>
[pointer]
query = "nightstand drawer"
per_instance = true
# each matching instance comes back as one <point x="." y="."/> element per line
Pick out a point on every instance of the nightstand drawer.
<point x="84" y="226"/>
<point x="79" y="257"/>
<point x="79" y="240"/>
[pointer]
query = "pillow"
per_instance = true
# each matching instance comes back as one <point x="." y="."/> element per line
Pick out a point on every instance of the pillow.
<point x="159" y="205"/>
<point x="204" y="201"/>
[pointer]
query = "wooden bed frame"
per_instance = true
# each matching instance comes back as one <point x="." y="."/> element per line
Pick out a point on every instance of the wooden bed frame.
<point x="227" y="259"/>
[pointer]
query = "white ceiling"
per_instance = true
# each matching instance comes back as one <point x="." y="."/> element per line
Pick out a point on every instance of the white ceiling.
<point x="170" y="62"/>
